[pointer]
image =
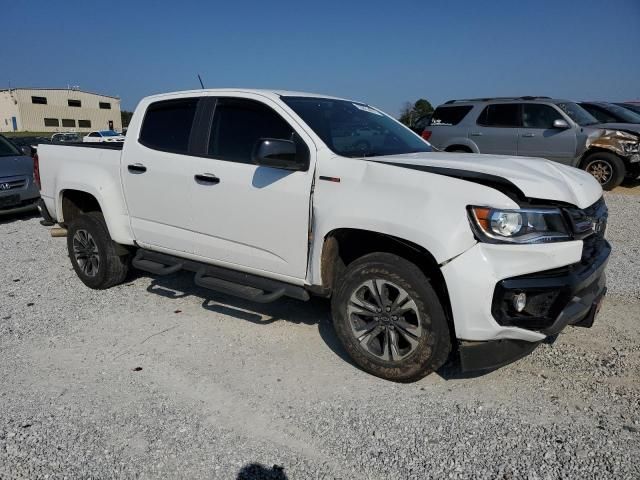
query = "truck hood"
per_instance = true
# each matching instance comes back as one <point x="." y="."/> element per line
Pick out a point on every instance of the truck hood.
<point x="536" y="178"/>
<point x="14" y="166"/>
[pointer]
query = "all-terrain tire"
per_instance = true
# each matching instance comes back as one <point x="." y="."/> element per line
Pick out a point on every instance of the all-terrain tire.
<point x="94" y="255"/>
<point x="391" y="273"/>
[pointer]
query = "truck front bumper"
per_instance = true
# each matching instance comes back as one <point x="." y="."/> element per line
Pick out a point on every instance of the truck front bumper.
<point x="563" y="287"/>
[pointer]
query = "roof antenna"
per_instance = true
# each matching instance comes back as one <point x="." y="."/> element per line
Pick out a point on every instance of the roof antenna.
<point x="201" y="84"/>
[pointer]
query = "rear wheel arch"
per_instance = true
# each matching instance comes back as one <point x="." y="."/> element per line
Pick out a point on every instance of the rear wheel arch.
<point x="345" y="245"/>
<point x="75" y="203"/>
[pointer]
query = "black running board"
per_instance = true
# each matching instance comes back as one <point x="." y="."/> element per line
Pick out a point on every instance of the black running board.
<point x="231" y="282"/>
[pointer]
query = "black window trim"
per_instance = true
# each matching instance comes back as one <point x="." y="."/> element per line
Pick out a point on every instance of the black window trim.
<point x="519" y="105"/>
<point x="194" y="126"/>
<point x="206" y="122"/>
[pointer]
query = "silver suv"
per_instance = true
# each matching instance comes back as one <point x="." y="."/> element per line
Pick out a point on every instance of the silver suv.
<point x="559" y="130"/>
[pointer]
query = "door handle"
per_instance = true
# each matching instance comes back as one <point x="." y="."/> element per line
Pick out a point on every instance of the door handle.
<point x="476" y="134"/>
<point x="528" y="135"/>
<point x="137" y="168"/>
<point x="207" y="179"/>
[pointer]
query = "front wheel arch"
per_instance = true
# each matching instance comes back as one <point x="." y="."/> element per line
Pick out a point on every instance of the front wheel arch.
<point x="606" y="167"/>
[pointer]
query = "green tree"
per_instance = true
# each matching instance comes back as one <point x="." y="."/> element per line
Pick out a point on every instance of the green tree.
<point x="411" y="113"/>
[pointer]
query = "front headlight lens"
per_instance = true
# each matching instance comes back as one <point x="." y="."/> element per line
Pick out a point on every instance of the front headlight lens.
<point x="518" y="226"/>
<point x="631" y="147"/>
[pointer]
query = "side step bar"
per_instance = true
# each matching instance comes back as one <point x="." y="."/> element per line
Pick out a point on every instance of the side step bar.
<point x="223" y="280"/>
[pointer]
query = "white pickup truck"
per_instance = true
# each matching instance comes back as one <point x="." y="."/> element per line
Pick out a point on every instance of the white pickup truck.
<point x="262" y="194"/>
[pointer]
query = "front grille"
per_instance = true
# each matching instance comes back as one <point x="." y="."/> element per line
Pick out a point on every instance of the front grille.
<point x="590" y="225"/>
<point x="12" y="184"/>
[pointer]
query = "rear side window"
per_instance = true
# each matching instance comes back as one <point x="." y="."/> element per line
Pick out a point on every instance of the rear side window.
<point x="536" y="115"/>
<point x="500" y="115"/>
<point x="239" y="124"/>
<point x="450" y="115"/>
<point x="167" y="125"/>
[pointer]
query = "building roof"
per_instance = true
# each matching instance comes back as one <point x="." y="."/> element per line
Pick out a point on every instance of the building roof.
<point x="57" y="89"/>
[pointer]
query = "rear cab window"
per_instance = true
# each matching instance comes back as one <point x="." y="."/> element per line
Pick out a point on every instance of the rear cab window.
<point x="450" y="115"/>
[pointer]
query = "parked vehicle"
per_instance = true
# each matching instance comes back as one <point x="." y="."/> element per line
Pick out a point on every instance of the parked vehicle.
<point x="103" y="136"/>
<point x="610" y="113"/>
<point x="634" y="107"/>
<point x="420" y="252"/>
<point x="559" y="130"/>
<point x="18" y="191"/>
<point x="29" y="145"/>
<point x="69" y="137"/>
<point x="421" y="124"/>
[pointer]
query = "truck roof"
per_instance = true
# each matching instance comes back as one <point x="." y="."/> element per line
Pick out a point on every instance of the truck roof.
<point x="273" y="94"/>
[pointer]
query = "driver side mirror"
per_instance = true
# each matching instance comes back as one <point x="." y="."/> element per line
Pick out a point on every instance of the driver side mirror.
<point x="276" y="153"/>
<point x="559" y="123"/>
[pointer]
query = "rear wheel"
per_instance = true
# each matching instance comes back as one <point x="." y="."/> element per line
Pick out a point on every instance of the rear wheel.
<point x="93" y="254"/>
<point x="390" y="319"/>
<point x="605" y="167"/>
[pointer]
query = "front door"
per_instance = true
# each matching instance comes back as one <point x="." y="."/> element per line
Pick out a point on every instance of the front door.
<point x="157" y="178"/>
<point x="538" y="137"/>
<point x="249" y="216"/>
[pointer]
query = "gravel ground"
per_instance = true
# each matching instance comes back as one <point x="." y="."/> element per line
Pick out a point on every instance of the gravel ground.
<point x="159" y="379"/>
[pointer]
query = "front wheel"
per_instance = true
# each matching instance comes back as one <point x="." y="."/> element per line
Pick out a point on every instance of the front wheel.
<point x="606" y="167"/>
<point x="93" y="254"/>
<point x="389" y="318"/>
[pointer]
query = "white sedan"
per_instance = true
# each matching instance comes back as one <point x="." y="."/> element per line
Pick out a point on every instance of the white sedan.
<point x="103" y="136"/>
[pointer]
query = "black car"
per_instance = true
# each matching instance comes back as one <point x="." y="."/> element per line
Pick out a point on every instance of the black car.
<point x="634" y="107"/>
<point x="30" y="143"/>
<point x="610" y="112"/>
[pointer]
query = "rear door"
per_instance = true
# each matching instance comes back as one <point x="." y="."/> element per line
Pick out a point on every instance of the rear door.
<point x="496" y="129"/>
<point x="538" y="137"/>
<point x="156" y="175"/>
<point x="249" y="216"/>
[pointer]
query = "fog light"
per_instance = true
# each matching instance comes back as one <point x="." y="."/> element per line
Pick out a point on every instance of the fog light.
<point x="519" y="301"/>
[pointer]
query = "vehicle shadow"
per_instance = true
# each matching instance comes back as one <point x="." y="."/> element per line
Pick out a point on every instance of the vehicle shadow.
<point x="256" y="471"/>
<point x="316" y="311"/>
<point x="18" y="217"/>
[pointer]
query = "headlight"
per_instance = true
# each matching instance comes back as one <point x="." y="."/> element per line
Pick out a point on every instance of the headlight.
<point x="630" y="147"/>
<point x="536" y="225"/>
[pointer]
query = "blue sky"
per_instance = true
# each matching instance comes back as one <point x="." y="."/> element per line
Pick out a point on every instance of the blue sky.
<point x="381" y="52"/>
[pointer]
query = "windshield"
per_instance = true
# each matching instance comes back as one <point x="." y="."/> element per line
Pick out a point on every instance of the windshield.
<point x="577" y="114"/>
<point x="626" y="115"/>
<point x="7" y="149"/>
<point x="630" y="106"/>
<point x="354" y="129"/>
<point x="109" y="133"/>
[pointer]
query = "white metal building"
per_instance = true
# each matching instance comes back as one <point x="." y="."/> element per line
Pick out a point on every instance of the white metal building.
<point x="57" y="110"/>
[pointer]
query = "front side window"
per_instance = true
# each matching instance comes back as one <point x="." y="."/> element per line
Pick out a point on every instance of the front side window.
<point x="353" y="129"/>
<point x="500" y="115"/>
<point x="167" y="125"/>
<point x="537" y="115"/>
<point x="238" y="126"/>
